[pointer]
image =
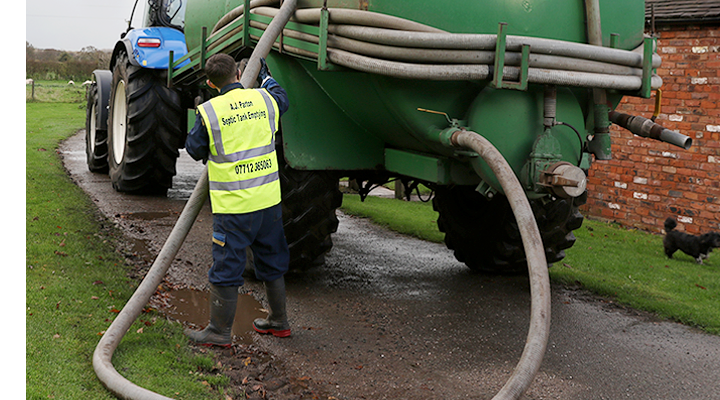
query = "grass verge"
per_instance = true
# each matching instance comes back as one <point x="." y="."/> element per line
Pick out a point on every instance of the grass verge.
<point x="626" y="265"/>
<point x="75" y="283"/>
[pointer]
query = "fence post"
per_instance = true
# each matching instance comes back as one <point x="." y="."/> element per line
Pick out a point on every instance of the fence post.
<point x="399" y="190"/>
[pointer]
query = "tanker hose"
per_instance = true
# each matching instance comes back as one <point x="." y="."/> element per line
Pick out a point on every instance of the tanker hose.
<point x="384" y="45"/>
<point x="238" y="12"/>
<point x="102" y="357"/>
<point x="539" y="331"/>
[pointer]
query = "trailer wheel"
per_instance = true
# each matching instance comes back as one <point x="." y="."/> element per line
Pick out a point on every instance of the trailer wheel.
<point x="484" y="234"/>
<point x="145" y="129"/>
<point x="95" y="139"/>
<point x="309" y="201"/>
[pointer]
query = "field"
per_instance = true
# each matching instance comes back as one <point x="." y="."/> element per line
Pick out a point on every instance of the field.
<point x="55" y="92"/>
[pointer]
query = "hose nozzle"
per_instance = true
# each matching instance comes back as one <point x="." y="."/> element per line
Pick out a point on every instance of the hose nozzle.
<point x="647" y="128"/>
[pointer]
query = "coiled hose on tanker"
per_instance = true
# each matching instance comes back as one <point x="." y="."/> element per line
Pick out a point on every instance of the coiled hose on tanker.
<point x="538" y="333"/>
<point x="380" y="44"/>
<point x="102" y="357"/>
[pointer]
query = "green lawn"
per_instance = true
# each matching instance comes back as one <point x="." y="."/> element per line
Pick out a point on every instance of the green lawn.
<point x="626" y="265"/>
<point x="76" y="282"/>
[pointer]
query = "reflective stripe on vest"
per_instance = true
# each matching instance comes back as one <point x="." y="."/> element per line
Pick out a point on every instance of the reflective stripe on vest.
<point x="242" y="165"/>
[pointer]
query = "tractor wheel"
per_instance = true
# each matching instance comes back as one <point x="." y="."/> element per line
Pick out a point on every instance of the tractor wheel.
<point x="309" y="201"/>
<point x="145" y="129"/>
<point x="484" y="234"/>
<point x="95" y="139"/>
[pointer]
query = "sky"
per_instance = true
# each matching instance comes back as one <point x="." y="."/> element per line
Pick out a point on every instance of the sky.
<point x="74" y="24"/>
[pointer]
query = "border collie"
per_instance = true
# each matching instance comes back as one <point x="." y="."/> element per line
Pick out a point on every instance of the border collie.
<point x="697" y="247"/>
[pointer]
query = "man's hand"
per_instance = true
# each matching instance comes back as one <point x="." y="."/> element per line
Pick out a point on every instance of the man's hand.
<point x="264" y="72"/>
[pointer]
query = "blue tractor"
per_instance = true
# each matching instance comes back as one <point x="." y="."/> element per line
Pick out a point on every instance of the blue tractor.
<point x="136" y="124"/>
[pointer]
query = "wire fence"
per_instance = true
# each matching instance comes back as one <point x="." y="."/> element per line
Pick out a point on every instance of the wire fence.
<point x="55" y="92"/>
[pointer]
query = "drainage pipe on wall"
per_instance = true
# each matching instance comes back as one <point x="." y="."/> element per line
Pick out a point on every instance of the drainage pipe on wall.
<point x="102" y="357"/>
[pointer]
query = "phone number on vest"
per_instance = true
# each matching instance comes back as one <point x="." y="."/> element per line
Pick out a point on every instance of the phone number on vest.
<point x="253" y="167"/>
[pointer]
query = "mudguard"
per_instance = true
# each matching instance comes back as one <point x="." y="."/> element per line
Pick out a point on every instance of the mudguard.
<point x="103" y="81"/>
<point x="156" y="57"/>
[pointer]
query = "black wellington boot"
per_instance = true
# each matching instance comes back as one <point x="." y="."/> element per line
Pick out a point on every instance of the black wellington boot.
<point x="223" y="302"/>
<point x="276" y="323"/>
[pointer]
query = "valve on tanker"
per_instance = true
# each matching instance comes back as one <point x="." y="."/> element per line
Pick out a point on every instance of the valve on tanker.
<point x="454" y="123"/>
<point x="564" y="180"/>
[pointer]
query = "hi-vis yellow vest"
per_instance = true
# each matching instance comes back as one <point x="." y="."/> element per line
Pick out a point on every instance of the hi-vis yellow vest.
<point x="242" y="166"/>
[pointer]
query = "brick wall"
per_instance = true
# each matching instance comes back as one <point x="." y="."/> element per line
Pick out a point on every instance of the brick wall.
<point x="648" y="181"/>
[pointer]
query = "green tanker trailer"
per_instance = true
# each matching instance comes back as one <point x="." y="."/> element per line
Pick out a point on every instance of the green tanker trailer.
<point x="379" y="89"/>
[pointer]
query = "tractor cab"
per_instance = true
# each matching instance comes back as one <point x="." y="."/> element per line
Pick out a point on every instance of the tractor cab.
<point x="167" y="13"/>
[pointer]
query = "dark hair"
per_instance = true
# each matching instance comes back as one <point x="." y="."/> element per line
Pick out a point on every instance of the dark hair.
<point x="220" y="69"/>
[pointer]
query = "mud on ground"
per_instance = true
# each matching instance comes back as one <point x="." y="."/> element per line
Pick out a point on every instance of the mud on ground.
<point x="254" y="373"/>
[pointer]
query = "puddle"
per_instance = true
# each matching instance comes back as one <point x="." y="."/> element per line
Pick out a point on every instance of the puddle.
<point x="139" y="248"/>
<point x="192" y="306"/>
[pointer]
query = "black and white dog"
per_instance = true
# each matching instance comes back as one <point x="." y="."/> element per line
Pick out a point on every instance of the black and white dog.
<point x="696" y="246"/>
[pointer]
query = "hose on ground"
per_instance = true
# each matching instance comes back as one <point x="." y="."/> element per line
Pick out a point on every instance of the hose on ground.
<point x="102" y="357"/>
<point x="539" y="331"/>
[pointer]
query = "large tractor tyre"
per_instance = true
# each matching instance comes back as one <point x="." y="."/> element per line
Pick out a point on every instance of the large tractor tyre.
<point x="96" y="147"/>
<point x="484" y="233"/>
<point x="309" y="201"/>
<point x="145" y="129"/>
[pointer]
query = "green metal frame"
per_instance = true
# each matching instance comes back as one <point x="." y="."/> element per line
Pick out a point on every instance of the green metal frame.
<point x="235" y="35"/>
<point x="498" y="72"/>
<point x="421" y="166"/>
<point x="648" y="46"/>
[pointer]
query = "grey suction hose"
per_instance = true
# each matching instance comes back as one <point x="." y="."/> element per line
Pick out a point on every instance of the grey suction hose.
<point x="102" y="357"/>
<point x="539" y="330"/>
<point x="238" y="11"/>
<point x="390" y="46"/>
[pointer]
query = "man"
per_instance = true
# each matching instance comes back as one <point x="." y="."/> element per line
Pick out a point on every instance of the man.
<point x="235" y="134"/>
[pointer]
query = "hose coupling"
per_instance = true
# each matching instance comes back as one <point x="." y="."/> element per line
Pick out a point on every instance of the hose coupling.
<point x="564" y="180"/>
<point x="647" y="128"/>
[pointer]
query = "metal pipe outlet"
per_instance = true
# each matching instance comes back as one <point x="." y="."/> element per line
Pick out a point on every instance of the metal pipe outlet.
<point x="647" y="128"/>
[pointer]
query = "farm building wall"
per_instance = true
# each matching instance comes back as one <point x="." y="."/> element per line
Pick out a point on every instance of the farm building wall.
<point x="647" y="181"/>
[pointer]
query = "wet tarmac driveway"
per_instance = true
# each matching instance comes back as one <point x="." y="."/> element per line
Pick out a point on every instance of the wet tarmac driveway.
<point x="391" y="317"/>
